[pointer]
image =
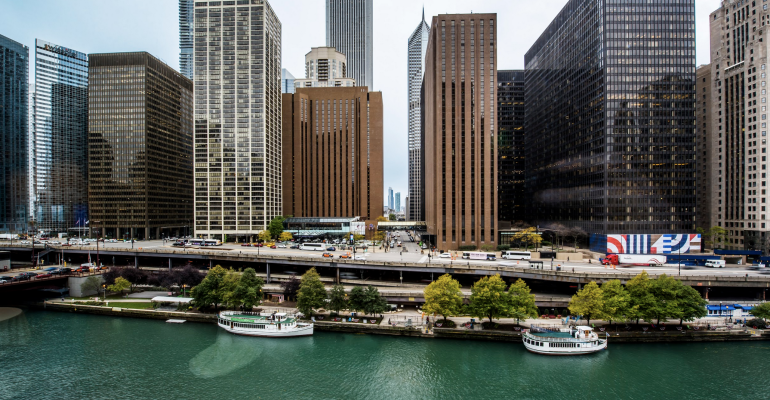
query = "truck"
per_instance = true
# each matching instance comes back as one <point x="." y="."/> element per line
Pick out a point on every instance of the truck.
<point x="9" y="236"/>
<point x="634" y="259"/>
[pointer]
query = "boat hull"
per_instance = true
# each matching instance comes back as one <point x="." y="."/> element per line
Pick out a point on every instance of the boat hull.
<point x="565" y="352"/>
<point x="298" y="332"/>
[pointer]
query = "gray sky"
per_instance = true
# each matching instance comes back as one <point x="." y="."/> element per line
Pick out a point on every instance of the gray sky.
<point x="101" y="26"/>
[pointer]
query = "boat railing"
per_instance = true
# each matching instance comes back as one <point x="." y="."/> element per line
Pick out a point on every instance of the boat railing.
<point x="558" y="339"/>
<point x="545" y="328"/>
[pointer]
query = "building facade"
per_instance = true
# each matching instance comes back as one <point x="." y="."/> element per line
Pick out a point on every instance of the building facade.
<point x="237" y="117"/>
<point x="390" y="198"/>
<point x="460" y="107"/>
<point x="703" y="146"/>
<point x="332" y="153"/>
<point x="738" y="123"/>
<point x="398" y="203"/>
<point x="287" y="81"/>
<point x="349" y="29"/>
<point x="325" y="67"/>
<point x="609" y="92"/>
<point x="14" y="136"/>
<point x="511" y="196"/>
<point x="418" y="43"/>
<point x="186" y="36"/>
<point x="60" y="132"/>
<point x="139" y="147"/>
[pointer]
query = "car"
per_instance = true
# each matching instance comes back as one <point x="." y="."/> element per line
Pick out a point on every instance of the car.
<point x="65" y="270"/>
<point x="345" y="256"/>
<point x="25" y="276"/>
<point x="83" y="268"/>
<point x="50" y="269"/>
<point x="43" y="275"/>
<point x="328" y="255"/>
<point x="331" y="248"/>
<point x="246" y="245"/>
<point x="259" y="245"/>
<point x="273" y="247"/>
<point x="6" y="279"/>
<point x="294" y="246"/>
<point x="445" y="255"/>
<point x="281" y="245"/>
<point x="361" y="258"/>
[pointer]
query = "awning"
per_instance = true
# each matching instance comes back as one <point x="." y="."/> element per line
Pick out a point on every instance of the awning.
<point x="171" y="299"/>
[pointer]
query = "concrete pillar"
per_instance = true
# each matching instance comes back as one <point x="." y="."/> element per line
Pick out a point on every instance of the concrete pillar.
<point x="169" y="264"/>
<point x="104" y="232"/>
<point x="268" y="272"/>
<point x="117" y="233"/>
<point x="210" y="264"/>
<point x="136" y="261"/>
<point x="338" y="275"/>
<point x="146" y="233"/>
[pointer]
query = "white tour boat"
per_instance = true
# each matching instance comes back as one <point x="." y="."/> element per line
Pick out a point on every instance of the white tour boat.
<point x="263" y="324"/>
<point x="573" y="341"/>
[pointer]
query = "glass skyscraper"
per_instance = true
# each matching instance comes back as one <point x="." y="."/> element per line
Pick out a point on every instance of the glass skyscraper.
<point x="60" y="127"/>
<point x="349" y="29"/>
<point x="14" y="136"/>
<point x="186" y="15"/>
<point x="287" y="81"/>
<point x="609" y="89"/>
<point x="418" y="43"/>
<point x="511" y="195"/>
<point x="237" y="117"/>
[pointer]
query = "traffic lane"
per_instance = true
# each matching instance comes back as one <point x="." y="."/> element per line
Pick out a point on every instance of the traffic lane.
<point x="667" y="269"/>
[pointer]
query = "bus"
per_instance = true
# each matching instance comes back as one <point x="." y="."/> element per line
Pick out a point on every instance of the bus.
<point x="196" y="242"/>
<point x="312" y="246"/>
<point x="475" y="255"/>
<point x="212" y="242"/>
<point x="517" y="255"/>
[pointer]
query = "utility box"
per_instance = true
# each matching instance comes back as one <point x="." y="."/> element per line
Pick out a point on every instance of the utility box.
<point x="5" y="260"/>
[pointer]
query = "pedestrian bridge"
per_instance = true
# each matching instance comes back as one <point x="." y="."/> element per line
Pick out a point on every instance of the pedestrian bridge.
<point x="402" y="226"/>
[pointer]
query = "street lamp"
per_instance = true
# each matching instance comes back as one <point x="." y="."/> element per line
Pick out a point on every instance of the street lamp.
<point x="183" y="289"/>
<point x="104" y="292"/>
<point x="98" y="265"/>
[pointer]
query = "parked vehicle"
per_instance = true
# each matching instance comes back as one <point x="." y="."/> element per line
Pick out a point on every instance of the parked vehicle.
<point x="345" y="255"/>
<point x="6" y="279"/>
<point x="328" y="255"/>
<point x="715" y="263"/>
<point x="475" y="255"/>
<point x="331" y="248"/>
<point x="25" y="276"/>
<point x="360" y="258"/>
<point x="66" y="270"/>
<point x="294" y="246"/>
<point x="312" y="246"/>
<point x="445" y="255"/>
<point x="634" y="259"/>
<point x="246" y="245"/>
<point x="280" y="245"/>
<point x="516" y="255"/>
<point x="43" y="275"/>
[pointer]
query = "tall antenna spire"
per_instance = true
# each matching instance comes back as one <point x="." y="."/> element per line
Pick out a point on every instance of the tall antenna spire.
<point x="423" y="13"/>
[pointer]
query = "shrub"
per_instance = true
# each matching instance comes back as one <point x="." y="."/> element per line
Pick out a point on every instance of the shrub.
<point x="503" y="247"/>
<point x="469" y="247"/>
<point x="545" y="243"/>
<point x="488" y="247"/>
<point x="755" y="322"/>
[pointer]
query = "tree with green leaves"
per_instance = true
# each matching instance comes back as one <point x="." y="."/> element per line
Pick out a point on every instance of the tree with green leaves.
<point x="210" y="290"/>
<point x="374" y="303"/>
<point x="338" y="300"/>
<point x="522" y="303"/>
<point x="357" y="299"/>
<point x="489" y="299"/>
<point x="713" y="236"/>
<point x="285" y="236"/>
<point x="91" y="284"/>
<point x="588" y="302"/>
<point x="312" y="293"/>
<point x="264" y="236"/>
<point x="690" y="304"/>
<point x="664" y="289"/>
<point x="529" y="236"/>
<point x="276" y="226"/>
<point x="641" y="297"/>
<point x="120" y="285"/>
<point x="443" y="297"/>
<point x="392" y="217"/>
<point x="761" y="311"/>
<point x="248" y="290"/>
<point x="229" y="284"/>
<point x="617" y="300"/>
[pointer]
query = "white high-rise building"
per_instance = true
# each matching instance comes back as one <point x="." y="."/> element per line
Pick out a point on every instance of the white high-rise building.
<point x="418" y="43"/>
<point x="237" y="118"/>
<point x="186" y="32"/>
<point x="325" y="67"/>
<point x="349" y="29"/>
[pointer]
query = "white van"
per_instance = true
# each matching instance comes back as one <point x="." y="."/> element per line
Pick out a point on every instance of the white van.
<point x="715" y="263"/>
<point x="517" y="255"/>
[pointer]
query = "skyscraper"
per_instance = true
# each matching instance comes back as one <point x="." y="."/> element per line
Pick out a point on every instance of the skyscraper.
<point x="510" y="150"/>
<point x="610" y="115"/>
<point x="139" y="146"/>
<point x="735" y="120"/>
<point x="14" y="136"/>
<point x="237" y="118"/>
<point x="186" y="36"/>
<point x="349" y="29"/>
<point x="325" y="67"/>
<point x="287" y="81"/>
<point x="418" y="43"/>
<point x="398" y="202"/>
<point x="460" y="107"/>
<point x="61" y="138"/>
<point x="390" y="198"/>
<point x="704" y="146"/>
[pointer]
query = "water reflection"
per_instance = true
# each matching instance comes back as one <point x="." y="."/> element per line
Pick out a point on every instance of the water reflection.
<point x="14" y="329"/>
<point x="227" y="354"/>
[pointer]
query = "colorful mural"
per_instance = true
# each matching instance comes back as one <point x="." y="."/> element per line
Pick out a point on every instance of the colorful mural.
<point x="653" y="244"/>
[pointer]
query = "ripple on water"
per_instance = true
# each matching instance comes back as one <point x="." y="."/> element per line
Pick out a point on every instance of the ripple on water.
<point x="228" y="354"/>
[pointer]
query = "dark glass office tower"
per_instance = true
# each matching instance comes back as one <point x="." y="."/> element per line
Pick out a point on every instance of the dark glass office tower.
<point x="60" y="132"/>
<point x="14" y="141"/>
<point x="139" y="146"/>
<point x="609" y="89"/>
<point x="510" y="146"/>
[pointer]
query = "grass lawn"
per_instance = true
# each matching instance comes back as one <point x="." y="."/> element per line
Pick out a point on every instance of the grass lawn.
<point x="137" y="305"/>
<point x="109" y="297"/>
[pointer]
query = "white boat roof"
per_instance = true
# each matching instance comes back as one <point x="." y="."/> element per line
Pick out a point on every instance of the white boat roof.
<point x="172" y="299"/>
<point x="584" y="328"/>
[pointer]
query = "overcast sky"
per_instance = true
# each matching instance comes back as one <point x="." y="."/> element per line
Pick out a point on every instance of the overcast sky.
<point x="101" y="26"/>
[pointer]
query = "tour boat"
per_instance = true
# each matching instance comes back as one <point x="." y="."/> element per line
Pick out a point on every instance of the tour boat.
<point x="263" y="324"/>
<point x="573" y="341"/>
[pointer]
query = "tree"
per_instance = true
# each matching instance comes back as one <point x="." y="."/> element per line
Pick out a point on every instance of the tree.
<point x="713" y="236"/>
<point x="379" y="236"/>
<point x="91" y="284"/>
<point x="617" y="300"/>
<point x="528" y="236"/>
<point x="761" y="311"/>
<point x="229" y="284"/>
<point x="248" y="290"/>
<point x="664" y="289"/>
<point x="120" y="285"/>
<point x="357" y="299"/>
<point x="209" y="291"/>
<point x="357" y="237"/>
<point x="489" y="299"/>
<point x="290" y="288"/>
<point x="392" y="217"/>
<point x="285" y="236"/>
<point x="381" y="219"/>
<point x="690" y="304"/>
<point x="134" y="275"/>
<point x="576" y="233"/>
<point x="264" y="236"/>
<point x="443" y="297"/>
<point x="558" y="231"/>
<point x="522" y="303"/>
<point x="641" y="297"/>
<point x="337" y="298"/>
<point x="276" y="226"/>
<point x="588" y="302"/>
<point x="312" y="293"/>
<point x="374" y="303"/>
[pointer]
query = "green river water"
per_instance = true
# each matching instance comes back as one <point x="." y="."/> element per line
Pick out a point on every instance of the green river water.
<point x="46" y="355"/>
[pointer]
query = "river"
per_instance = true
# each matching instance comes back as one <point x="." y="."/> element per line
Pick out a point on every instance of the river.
<point x="72" y="356"/>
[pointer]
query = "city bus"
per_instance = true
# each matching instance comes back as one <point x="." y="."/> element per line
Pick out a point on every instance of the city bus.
<point x="312" y="246"/>
<point x="195" y="242"/>
<point x="517" y="255"/>
<point x="212" y="242"/>
<point x="477" y="255"/>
